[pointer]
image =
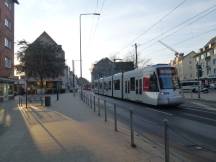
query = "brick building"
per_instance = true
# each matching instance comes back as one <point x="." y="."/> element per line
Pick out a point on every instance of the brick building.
<point x="6" y="47"/>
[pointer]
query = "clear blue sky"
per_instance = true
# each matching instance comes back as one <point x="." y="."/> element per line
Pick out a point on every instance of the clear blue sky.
<point x="120" y="22"/>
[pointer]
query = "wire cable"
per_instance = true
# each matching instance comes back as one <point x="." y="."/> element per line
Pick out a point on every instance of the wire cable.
<point x="152" y="26"/>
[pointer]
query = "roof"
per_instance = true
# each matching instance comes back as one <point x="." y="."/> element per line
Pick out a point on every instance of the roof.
<point x="16" y="1"/>
<point x="44" y="37"/>
<point x="190" y="53"/>
<point x="213" y="40"/>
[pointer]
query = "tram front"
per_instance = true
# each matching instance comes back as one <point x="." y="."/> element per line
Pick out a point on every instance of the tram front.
<point x="170" y="92"/>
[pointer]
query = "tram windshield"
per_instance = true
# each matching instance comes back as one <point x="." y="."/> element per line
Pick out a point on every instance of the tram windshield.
<point x="168" y="78"/>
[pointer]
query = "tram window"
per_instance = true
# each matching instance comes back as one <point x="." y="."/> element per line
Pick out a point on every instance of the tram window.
<point x="153" y="86"/>
<point x="128" y="86"/>
<point x="136" y="86"/>
<point x="117" y="84"/>
<point x="140" y="86"/>
<point x="109" y="85"/>
<point x="125" y="86"/>
<point x="132" y="84"/>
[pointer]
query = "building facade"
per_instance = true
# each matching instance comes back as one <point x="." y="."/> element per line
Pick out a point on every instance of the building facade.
<point x="50" y="84"/>
<point x="207" y="59"/>
<point x="185" y="65"/>
<point x="105" y="67"/>
<point x="6" y="48"/>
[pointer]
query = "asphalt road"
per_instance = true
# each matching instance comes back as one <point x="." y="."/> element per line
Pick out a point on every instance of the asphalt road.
<point x="191" y="129"/>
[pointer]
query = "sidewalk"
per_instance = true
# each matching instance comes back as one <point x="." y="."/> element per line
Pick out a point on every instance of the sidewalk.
<point x="70" y="131"/>
<point x="207" y="100"/>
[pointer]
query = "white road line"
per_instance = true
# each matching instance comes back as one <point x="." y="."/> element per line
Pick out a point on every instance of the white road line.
<point x="193" y="115"/>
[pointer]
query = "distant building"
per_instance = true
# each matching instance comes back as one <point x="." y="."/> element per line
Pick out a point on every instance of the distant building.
<point x="106" y="67"/>
<point x="185" y="65"/>
<point x="207" y="59"/>
<point x="6" y="48"/>
<point x="51" y="84"/>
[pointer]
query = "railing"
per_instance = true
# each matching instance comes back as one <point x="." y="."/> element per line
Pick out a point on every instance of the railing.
<point x="108" y="108"/>
<point x="98" y="104"/>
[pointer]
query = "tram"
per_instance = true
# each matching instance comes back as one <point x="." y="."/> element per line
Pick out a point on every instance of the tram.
<point x="154" y="85"/>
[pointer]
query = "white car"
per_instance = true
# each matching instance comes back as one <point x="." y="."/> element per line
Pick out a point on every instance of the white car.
<point x="212" y="85"/>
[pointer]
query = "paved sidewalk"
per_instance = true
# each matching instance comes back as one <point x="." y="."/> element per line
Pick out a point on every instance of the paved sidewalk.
<point x="70" y="131"/>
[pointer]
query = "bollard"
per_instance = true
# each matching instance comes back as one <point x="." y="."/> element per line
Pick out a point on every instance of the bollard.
<point x="21" y="101"/>
<point x="105" y="111"/>
<point x="115" y="118"/>
<point x="41" y="99"/>
<point x="98" y="106"/>
<point x="90" y="101"/>
<point x="166" y="142"/>
<point x="132" y="129"/>
<point x="94" y="103"/>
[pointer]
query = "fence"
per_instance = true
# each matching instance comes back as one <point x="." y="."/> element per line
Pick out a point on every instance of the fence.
<point x="97" y="104"/>
<point x="109" y="110"/>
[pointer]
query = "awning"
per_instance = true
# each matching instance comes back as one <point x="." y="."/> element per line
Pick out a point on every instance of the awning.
<point x="6" y="80"/>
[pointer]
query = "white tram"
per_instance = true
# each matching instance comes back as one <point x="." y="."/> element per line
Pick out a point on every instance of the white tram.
<point x="154" y="85"/>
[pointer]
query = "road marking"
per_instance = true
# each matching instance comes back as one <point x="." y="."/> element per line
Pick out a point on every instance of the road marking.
<point x="193" y="115"/>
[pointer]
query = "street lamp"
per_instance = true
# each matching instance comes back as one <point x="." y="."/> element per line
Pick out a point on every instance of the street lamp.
<point x="97" y="14"/>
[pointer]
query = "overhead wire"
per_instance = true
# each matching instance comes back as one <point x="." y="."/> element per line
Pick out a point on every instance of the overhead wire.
<point x="186" y="40"/>
<point x="152" y="26"/>
<point x="173" y="30"/>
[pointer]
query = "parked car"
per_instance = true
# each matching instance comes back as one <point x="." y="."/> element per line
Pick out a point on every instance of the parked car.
<point x="212" y="85"/>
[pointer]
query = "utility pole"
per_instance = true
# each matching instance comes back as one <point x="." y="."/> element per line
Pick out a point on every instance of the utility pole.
<point x="136" y="64"/>
<point x="73" y="69"/>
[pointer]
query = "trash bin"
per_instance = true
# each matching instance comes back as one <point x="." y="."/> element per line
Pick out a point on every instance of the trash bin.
<point x="47" y="100"/>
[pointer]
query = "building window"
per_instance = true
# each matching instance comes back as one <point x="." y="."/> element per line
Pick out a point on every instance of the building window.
<point x="214" y="61"/>
<point x="202" y="56"/>
<point x="208" y="54"/>
<point x="215" y="71"/>
<point x="7" y="23"/>
<point x="8" y="4"/>
<point x="215" y="51"/>
<point x="189" y="62"/>
<point x="7" y="62"/>
<point x="197" y="58"/>
<point x="7" y="43"/>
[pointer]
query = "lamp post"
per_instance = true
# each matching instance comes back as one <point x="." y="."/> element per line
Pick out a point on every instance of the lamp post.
<point x="81" y="45"/>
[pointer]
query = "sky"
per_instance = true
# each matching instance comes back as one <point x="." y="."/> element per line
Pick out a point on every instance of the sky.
<point x="121" y="24"/>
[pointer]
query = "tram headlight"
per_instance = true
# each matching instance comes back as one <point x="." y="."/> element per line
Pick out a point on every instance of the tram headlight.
<point x="164" y="93"/>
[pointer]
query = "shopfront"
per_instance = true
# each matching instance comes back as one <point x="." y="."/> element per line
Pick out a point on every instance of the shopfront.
<point x="6" y="89"/>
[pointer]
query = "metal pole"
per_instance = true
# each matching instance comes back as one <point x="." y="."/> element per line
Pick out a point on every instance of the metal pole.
<point x="166" y="142"/>
<point x="57" y="91"/>
<point x="132" y="129"/>
<point x="26" y="93"/>
<point x="198" y="87"/>
<point x="91" y="100"/>
<point x="73" y="75"/>
<point x="115" y="118"/>
<point x="98" y="106"/>
<point x="80" y="54"/>
<point x="136" y="55"/>
<point x="94" y="103"/>
<point x="105" y="111"/>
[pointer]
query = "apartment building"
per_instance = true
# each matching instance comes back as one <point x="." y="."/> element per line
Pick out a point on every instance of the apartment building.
<point x="207" y="59"/>
<point x="6" y="47"/>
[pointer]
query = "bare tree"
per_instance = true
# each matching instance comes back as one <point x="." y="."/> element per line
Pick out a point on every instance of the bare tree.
<point x="142" y="62"/>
